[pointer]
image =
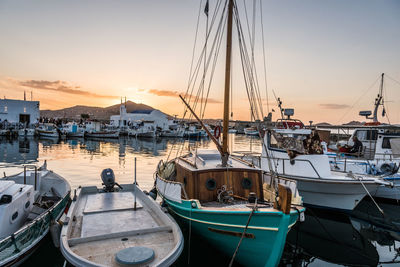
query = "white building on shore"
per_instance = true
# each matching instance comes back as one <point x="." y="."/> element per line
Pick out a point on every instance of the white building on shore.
<point x="158" y="118"/>
<point x="19" y="111"/>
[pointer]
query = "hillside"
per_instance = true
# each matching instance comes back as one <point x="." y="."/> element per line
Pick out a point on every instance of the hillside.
<point x="94" y="112"/>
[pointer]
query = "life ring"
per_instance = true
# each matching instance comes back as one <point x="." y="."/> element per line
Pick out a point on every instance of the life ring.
<point x="217" y="131"/>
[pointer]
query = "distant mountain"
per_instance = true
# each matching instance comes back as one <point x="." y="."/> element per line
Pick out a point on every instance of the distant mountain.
<point x="94" y="112"/>
<point x="323" y="124"/>
<point x="354" y="123"/>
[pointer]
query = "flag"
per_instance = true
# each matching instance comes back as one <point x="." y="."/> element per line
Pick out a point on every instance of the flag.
<point x="206" y="9"/>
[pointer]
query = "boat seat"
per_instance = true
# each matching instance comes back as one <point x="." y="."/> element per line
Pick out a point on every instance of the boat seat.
<point x="80" y="240"/>
<point x="35" y="212"/>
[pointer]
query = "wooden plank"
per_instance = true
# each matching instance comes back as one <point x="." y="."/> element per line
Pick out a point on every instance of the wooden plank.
<point x="285" y="198"/>
<point x="80" y="240"/>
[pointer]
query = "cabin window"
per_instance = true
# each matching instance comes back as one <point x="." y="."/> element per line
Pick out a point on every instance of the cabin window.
<point x="273" y="143"/>
<point x="14" y="216"/>
<point x="5" y="108"/>
<point x="27" y="204"/>
<point x="386" y="143"/>
<point x="366" y="135"/>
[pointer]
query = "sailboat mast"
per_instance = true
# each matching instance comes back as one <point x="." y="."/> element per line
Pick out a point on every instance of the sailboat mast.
<point x="378" y="100"/>
<point x="227" y="83"/>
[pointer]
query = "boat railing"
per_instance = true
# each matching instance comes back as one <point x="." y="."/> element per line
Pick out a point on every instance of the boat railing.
<point x="346" y="163"/>
<point x="350" y="161"/>
<point x="36" y="173"/>
<point x="283" y="160"/>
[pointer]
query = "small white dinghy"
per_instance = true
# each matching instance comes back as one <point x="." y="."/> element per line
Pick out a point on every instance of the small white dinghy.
<point x="118" y="226"/>
<point x="31" y="202"/>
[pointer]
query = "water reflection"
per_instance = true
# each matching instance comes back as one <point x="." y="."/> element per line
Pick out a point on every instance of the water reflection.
<point x="18" y="151"/>
<point x="330" y="237"/>
<point x="364" y="237"/>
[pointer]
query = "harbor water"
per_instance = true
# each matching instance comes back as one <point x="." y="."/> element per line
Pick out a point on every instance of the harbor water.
<point x="326" y="238"/>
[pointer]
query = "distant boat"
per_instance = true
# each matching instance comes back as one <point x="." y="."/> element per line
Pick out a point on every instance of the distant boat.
<point x="31" y="203"/>
<point x="94" y="129"/>
<point x="48" y="130"/>
<point x="251" y="131"/>
<point x="113" y="226"/>
<point x="73" y="129"/>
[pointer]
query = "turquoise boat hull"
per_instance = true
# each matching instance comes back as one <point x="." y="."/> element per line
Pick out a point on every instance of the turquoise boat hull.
<point x="265" y="236"/>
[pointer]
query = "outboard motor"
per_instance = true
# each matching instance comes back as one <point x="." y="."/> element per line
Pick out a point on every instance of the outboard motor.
<point x="107" y="175"/>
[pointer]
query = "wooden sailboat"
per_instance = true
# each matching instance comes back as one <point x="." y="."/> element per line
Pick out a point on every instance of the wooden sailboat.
<point x="221" y="197"/>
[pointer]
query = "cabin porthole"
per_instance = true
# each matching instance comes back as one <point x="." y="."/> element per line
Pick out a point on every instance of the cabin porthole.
<point x="246" y="183"/>
<point x="14" y="216"/>
<point x="27" y="205"/>
<point x="211" y="184"/>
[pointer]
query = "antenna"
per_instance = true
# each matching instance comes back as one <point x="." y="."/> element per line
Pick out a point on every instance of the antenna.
<point x="24" y="95"/>
<point x="31" y="95"/>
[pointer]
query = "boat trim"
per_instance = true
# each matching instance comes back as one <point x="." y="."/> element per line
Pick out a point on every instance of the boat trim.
<point x="229" y="225"/>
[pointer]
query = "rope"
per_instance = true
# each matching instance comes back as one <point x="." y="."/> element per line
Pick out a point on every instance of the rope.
<point x="376" y="204"/>
<point x="263" y="47"/>
<point x="362" y="95"/>
<point x="243" y="233"/>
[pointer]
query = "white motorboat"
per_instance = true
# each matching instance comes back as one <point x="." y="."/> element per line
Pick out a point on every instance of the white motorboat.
<point x="48" y="130"/>
<point x="113" y="226"/>
<point x="31" y="202"/>
<point x="251" y="131"/>
<point x="317" y="184"/>
<point x="94" y="129"/>
<point x="144" y="129"/>
<point x="73" y="129"/>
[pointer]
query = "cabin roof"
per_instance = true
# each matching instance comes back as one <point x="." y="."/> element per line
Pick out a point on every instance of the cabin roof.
<point x="209" y="159"/>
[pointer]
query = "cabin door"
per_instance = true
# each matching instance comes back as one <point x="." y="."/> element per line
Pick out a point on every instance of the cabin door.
<point x="25" y="118"/>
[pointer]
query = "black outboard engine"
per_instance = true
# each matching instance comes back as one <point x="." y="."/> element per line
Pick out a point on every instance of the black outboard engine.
<point x="107" y="175"/>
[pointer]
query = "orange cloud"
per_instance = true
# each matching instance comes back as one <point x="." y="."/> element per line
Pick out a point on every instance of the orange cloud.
<point x="60" y="86"/>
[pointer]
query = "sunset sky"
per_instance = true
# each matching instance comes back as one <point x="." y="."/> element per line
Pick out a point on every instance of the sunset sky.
<point x="323" y="57"/>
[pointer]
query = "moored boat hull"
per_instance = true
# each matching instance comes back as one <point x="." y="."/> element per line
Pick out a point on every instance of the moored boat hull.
<point x="223" y="229"/>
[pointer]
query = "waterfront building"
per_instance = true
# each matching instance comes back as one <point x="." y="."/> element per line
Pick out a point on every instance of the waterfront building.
<point x="136" y="117"/>
<point x="19" y="111"/>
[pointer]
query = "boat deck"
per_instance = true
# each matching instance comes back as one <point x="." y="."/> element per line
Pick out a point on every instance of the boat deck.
<point x="105" y="223"/>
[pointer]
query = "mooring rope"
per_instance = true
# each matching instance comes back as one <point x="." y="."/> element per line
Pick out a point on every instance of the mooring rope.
<point x="243" y="233"/>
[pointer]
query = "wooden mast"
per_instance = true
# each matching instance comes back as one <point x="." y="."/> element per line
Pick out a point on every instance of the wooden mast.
<point x="227" y="84"/>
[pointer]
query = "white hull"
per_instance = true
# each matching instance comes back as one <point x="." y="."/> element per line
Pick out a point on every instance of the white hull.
<point x="48" y="134"/>
<point x="333" y="194"/>
<point x="251" y="131"/>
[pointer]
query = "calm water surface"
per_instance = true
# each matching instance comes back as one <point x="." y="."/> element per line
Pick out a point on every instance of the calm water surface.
<point x="326" y="238"/>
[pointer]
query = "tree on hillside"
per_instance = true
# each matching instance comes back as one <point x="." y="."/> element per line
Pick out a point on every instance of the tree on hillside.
<point x="85" y="116"/>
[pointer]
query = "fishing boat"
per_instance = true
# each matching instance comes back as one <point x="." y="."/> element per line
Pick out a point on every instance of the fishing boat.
<point x="285" y="153"/>
<point x="220" y="197"/>
<point x="144" y="129"/>
<point x="48" y="130"/>
<point x="379" y="154"/>
<point x="73" y="129"/>
<point x="31" y="203"/>
<point x="94" y="129"/>
<point x="118" y="225"/>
